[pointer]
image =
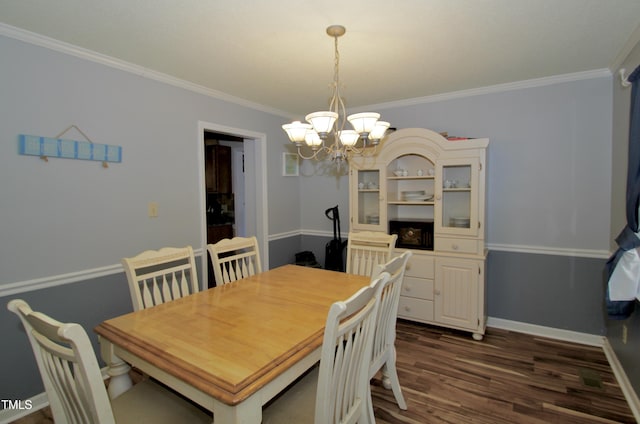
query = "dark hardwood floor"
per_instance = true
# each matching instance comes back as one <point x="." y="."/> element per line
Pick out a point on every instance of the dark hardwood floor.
<point x="447" y="377"/>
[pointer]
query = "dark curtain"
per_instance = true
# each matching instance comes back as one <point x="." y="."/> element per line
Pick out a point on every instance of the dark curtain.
<point x="627" y="240"/>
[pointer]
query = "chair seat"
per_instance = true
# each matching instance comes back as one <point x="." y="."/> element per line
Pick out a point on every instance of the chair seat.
<point x="302" y="394"/>
<point x="149" y="402"/>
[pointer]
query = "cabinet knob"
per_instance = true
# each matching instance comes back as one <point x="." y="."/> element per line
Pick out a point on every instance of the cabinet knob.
<point x="407" y="309"/>
<point x="454" y="246"/>
<point x="436" y="292"/>
<point x="407" y="288"/>
<point x="438" y="197"/>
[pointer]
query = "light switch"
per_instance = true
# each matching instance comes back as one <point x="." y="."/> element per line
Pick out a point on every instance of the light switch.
<point x="153" y="210"/>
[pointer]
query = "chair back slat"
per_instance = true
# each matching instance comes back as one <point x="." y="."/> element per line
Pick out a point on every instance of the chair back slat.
<point x="183" y="287"/>
<point x="234" y="259"/>
<point x="367" y="249"/>
<point x="159" y="276"/>
<point x="163" y="288"/>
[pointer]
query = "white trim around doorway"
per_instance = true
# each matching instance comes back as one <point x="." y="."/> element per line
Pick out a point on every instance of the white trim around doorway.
<point x="255" y="149"/>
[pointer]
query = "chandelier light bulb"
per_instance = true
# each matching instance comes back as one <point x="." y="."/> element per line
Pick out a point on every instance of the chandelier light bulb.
<point x="322" y="122"/>
<point x="378" y="131"/>
<point x="348" y="138"/>
<point x="296" y="131"/>
<point x="312" y="139"/>
<point x="363" y="123"/>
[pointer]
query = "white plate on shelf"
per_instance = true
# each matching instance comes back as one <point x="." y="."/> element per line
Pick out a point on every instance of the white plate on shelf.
<point x="421" y="198"/>
<point x="459" y="221"/>
<point x="413" y="193"/>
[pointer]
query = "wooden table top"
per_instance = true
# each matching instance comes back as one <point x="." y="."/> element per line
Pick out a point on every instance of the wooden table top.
<point x="230" y="341"/>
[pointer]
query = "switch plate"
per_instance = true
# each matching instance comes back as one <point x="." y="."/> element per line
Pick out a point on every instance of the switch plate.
<point x="153" y="210"/>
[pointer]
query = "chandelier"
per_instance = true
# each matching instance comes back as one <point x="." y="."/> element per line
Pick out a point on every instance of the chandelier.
<point x="325" y="136"/>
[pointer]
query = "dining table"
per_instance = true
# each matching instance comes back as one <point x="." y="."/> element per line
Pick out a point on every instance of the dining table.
<point x="229" y="348"/>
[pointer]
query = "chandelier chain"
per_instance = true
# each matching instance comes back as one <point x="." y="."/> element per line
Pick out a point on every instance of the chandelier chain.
<point x="337" y="103"/>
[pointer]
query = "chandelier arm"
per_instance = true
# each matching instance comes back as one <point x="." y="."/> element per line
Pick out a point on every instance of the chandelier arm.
<point x="314" y="155"/>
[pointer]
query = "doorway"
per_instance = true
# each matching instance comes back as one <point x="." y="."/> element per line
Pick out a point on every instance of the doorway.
<point x="224" y="181"/>
<point x="253" y="201"/>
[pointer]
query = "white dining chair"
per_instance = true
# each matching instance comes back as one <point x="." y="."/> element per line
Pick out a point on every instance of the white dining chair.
<point x="383" y="353"/>
<point x="335" y="392"/>
<point x="74" y="385"/>
<point x="366" y="249"/>
<point x="234" y="258"/>
<point x="159" y="276"/>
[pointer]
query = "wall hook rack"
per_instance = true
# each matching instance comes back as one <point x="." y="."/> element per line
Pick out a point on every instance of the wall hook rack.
<point x="46" y="147"/>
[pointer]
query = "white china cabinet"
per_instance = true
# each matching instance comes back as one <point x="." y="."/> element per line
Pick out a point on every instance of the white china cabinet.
<point x="418" y="176"/>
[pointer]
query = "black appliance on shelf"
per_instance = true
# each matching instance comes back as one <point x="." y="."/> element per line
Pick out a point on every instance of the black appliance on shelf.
<point x="413" y="234"/>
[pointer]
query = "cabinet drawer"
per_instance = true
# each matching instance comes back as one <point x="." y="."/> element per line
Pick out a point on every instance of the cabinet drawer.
<point x="418" y="309"/>
<point x="456" y="245"/>
<point x="420" y="288"/>
<point x="420" y="266"/>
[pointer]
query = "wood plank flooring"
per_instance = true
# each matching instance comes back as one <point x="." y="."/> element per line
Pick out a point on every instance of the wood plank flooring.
<point x="508" y="377"/>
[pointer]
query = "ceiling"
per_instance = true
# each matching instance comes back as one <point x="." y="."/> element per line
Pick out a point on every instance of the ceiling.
<point x="276" y="53"/>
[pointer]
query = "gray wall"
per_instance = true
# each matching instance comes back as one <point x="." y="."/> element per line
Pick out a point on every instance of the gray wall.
<point x="548" y="173"/>
<point x="100" y="215"/>
<point x="563" y="292"/>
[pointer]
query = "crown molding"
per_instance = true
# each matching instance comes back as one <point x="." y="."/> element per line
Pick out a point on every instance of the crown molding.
<point x="82" y="53"/>
<point x="73" y="50"/>
<point x="624" y="53"/>
<point x="498" y="88"/>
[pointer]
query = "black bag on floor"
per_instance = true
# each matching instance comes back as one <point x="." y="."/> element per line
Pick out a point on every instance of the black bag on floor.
<point x="308" y="259"/>
<point x="333" y="259"/>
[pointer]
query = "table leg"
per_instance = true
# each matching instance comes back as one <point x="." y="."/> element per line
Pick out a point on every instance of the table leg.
<point x="120" y="380"/>
<point x="247" y="412"/>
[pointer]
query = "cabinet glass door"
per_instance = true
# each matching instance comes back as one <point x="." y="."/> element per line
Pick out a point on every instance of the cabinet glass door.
<point x="457" y="197"/>
<point x="367" y="211"/>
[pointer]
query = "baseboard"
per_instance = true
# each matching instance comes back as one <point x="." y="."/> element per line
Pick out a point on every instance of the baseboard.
<point x="627" y="389"/>
<point x="38" y="402"/>
<point x="552" y="333"/>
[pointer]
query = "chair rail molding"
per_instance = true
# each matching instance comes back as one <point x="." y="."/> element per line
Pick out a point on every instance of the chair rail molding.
<point x="11" y="289"/>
